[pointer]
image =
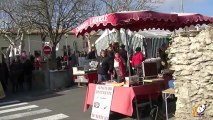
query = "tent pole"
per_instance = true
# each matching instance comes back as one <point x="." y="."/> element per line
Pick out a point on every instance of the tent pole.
<point x="108" y="36"/>
<point x="128" y="56"/>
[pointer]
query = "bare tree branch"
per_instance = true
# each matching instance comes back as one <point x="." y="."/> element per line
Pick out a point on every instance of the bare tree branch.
<point x="13" y="24"/>
<point x="56" y="17"/>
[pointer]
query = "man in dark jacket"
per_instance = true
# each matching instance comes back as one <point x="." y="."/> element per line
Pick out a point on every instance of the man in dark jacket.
<point x="103" y="67"/>
<point x="111" y="61"/>
<point x="14" y="74"/>
<point x="163" y="56"/>
<point x="92" y="54"/>
<point x="123" y="53"/>
<point x="28" y="70"/>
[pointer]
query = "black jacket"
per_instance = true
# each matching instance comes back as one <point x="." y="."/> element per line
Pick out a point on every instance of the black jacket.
<point x="103" y="65"/>
<point x="123" y="54"/>
<point x="4" y="71"/>
<point x="28" y="67"/>
<point x="16" y="69"/>
<point x="163" y="55"/>
<point x="111" y="61"/>
<point x="91" y="55"/>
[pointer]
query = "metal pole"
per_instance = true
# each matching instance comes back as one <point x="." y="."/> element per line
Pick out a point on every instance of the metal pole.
<point x="67" y="50"/>
<point x="48" y="73"/>
<point x="108" y="36"/>
<point x="165" y="97"/>
<point x="29" y="47"/>
<point x="128" y="56"/>
<point x="182" y="9"/>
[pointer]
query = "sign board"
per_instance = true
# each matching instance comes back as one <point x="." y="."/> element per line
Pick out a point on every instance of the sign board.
<point x="102" y="102"/>
<point x="47" y="50"/>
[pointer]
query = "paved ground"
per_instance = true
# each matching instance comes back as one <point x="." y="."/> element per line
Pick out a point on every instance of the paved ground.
<point x="67" y="104"/>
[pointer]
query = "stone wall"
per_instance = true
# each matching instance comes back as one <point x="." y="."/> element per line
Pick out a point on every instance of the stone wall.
<point x="192" y="60"/>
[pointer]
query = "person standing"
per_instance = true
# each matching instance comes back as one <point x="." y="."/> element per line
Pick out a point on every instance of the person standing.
<point x="119" y="69"/>
<point x="20" y="70"/>
<point x="4" y="75"/>
<point x="163" y="56"/>
<point x="74" y="60"/>
<point x="123" y="53"/>
<point x="111" y="63"/>
<point x="58" y="62"/>
<point x="37" y="64"/>
<point x="92" y="54"/>
<point x="103" y="67"/>
<point x="14" y="75"/>
<point x="28" y="73"/>
<point x="137" y="60"/>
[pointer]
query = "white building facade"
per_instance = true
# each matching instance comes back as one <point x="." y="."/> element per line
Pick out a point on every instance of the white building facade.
<point x="33" y="43"/>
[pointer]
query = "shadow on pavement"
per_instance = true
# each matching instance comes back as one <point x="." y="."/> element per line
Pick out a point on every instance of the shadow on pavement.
<point x="34" y="95"/>
<point x="116" y="116"/>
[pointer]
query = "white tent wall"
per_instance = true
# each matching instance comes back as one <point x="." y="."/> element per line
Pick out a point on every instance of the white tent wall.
<point x="151" y="40"/>
<point x="152" y="45"/>
<point x="134" y="40"/>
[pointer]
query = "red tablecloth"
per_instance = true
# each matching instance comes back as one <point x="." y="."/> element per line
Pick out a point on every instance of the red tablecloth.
<point x="122" y="101"/>
<point x="93" y="77"/>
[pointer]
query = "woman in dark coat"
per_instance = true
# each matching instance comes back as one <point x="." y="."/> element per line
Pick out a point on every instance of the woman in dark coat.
<point x="4" y="75"/>
<point x="14" y="75"/>
<point x="17" y="75"/>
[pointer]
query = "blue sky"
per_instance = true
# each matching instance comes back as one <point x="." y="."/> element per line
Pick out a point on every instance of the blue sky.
<point x="204" y="7"/>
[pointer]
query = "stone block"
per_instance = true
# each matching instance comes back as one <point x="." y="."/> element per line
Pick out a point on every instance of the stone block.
<point x="186" y="72"/>
<point x="192" y="60"/>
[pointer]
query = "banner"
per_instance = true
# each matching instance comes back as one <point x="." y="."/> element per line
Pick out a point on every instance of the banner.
<point x="102" y="102"/>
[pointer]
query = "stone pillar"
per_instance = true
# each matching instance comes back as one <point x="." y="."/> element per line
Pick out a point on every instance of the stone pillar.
<point x="192" y="60"/>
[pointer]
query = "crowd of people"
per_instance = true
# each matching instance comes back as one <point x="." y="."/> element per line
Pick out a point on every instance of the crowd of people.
<point x="18" y="72"/>
<point x="112" y="65"/>
<point x="67" y="61"/>
<point x="113" y="62"/>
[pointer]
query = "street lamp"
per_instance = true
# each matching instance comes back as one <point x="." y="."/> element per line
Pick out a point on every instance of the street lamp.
<point x="29" y="46"/>
<point x="66" y="35"/>
<point x="182" y="9"/>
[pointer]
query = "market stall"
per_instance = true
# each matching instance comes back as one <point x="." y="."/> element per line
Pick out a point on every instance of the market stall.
<point x="121" y="101"/>
<point x="124" y="97"/>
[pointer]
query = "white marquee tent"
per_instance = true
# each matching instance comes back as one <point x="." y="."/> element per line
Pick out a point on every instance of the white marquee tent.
<point x="148" y="40"/>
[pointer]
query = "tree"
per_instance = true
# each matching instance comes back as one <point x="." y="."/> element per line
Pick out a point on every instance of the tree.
<point x="13" y="25"/>
<point x="127" y="5"/>
<point x="54" y="18"/>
